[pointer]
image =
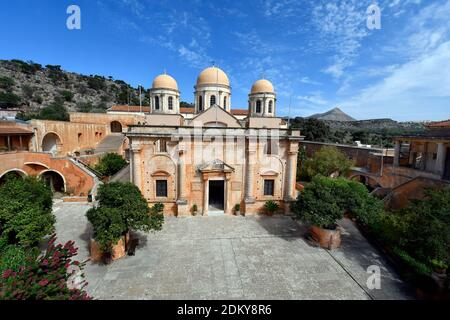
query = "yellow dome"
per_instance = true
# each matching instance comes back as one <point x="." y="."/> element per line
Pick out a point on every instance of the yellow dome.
<point x="262" y="86"/>
<point x="213" y="75"/>
<point x="164" y="81"/>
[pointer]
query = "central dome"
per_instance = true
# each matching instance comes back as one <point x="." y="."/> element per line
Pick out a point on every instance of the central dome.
<point x="213" y="75"/>
<point x="262" y="86"/>
<point x="164" y="81"/>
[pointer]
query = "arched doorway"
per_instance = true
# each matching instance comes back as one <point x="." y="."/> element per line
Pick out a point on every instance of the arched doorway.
<point x="51" y="142"/>
<point x="116" y="127"/>
<point x="54" y="179"/>
<point x="11" y="174"/>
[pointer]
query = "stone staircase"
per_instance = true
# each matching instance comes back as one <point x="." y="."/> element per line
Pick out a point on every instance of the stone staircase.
<point x="111" y="143"/>
<point x="122" y="176"/>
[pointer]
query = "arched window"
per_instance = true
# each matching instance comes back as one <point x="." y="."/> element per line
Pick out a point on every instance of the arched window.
<point x="224" y="102"/>
<point x="200" y="103"/>
<point x="212" y="100"/>
<point x="258" y="106"/>
<point x="270" y="106"/>
<point x="170" y="103"/>
<point x="156" y="103"/>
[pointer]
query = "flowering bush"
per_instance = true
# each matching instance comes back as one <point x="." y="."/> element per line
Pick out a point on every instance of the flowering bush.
<point x="45" y="277"/>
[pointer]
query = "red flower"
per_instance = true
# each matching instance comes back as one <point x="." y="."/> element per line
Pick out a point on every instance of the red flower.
<point x="43" y="283"/>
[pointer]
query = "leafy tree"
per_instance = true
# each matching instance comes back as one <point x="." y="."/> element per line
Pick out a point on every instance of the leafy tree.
<point x="96" y="83"/>
<point x="122" y="208"/>
<point x="56" y="74"/>
<point x="184" y="104"/>
<point x="54" y="111"/>
<point x="318" y="204"/>
<point x="313" y="129"/>
<point x="9" y="100"/>
<point x="422" y="230"/>
<point x="326" y="161"/>
<point x="326" y="200"/>
<point x="27" y="67"/>
<point x="26" y="212"/>
<point x="110" y="164"/>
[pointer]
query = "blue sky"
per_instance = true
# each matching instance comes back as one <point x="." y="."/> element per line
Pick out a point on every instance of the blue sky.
<point x="319" y="54"/>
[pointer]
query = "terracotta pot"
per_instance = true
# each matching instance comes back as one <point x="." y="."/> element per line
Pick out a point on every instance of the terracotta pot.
<point x="329" y="239"/>
<point x="118" y="250"/>
<point x="269" y="213"/>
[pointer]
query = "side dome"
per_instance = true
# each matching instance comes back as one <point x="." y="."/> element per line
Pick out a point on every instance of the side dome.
<point x="262" y="86"/>
<point x="213" y="75"/>
<point x="164" y="81"/>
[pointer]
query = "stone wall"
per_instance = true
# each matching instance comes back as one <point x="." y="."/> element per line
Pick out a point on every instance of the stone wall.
<point x="76" y="180"/>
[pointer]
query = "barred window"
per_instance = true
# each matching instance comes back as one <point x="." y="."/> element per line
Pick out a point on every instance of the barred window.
<point x="161" y="188"/>
<point x="156" y="103"/>
<point x="212" y="101"/>
<point x="170" y="103"/>
<point x="269" y="187"/>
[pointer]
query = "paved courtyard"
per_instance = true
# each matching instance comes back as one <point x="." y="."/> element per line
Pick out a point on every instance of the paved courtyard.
<point x="232" y="258"/>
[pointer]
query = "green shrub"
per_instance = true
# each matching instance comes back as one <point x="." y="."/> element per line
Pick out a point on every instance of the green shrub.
<point x="418" y="267"/>
<point x="6" y="83"/>
<point x="66" y="95"/>
<point x="12" y="257"/>
<point x="110" y="164"/>
<point x="318" y="203"/>
<point x="44" y="277"/>
<point x="271" y="206"/>
<point x="9" y="100"/>
<point x="26" y="211"/>
<point x="122" y="208"/>
<point x="326" y="161"/>
<point x="55" y="111"/>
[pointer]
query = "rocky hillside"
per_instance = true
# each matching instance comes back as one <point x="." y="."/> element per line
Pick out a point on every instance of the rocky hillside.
<point x="335" y="114"/>
<point x="31" y="86"/>
<point x="376" y="125"/>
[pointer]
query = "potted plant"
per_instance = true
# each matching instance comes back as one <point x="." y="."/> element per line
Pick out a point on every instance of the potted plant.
<point x="237" y="209"/>
<point x="320" y="206"/>
<point x="194" y="209"/>
<point x="439" y="266"/>
<point x="121" y="208"/>
<point x="271" y="207"/>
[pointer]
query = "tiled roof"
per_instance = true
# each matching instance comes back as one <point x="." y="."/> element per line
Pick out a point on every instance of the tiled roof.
<point x="124" y="108"/>
<point x="239" y="112"/>
<point x="440" y="124"/>
<point x="14" y="131"/>
<point x="187" y="110"/>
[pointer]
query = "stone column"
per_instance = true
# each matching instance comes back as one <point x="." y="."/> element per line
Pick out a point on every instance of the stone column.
<point x="440" y="160"/>
<point x="397" y="153"/>
<point x="205" y="194"/>
<point x="227" y="185"/>
<point x="250" y="172"/>
<point x="291" y="172"/>
<point x="135" y="169"/>
<point x="181" y="177"/>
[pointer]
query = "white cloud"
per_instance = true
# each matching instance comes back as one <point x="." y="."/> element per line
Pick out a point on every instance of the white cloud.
<point x="410" y="89"/>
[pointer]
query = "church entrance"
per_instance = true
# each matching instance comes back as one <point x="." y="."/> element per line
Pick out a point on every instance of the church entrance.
<point x="216" y="196"/>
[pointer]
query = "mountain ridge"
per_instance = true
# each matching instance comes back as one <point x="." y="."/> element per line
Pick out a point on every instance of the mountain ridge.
<point x="334" y="114"/>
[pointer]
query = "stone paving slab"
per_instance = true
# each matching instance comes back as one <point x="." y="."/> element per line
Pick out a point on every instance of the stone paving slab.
<point x="231" y="257"/>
